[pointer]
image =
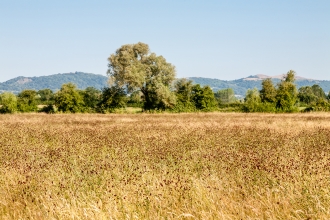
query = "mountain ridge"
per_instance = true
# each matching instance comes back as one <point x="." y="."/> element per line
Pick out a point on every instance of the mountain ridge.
<point x="84" y="80"/>
<point x="54" y="82"/>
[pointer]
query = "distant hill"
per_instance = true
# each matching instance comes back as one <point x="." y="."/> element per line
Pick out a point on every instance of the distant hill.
<point x="84" y="80"/>
<point x="54" y="82"/>
<point x="240" y="86"/>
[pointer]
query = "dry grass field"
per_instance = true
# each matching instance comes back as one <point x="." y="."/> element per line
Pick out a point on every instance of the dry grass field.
<point x="165" y="166"/>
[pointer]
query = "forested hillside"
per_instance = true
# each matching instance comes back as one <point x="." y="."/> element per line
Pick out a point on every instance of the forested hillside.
<point x="84" y="80"/>
<point x="54" y="82"/>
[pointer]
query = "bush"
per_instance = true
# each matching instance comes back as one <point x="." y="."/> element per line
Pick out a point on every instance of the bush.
<point x="112" y="98"/>
<point x="231" y="107"/>
<point x="183" y="107"/>
<point x="320" y="105"/>
<point x="68" y="99"/>
<point x="9" y="103"/>
<point x="252" y="101"/>
<point x="27" y="101"/>
<point x="91" y="97"/>
<point x="203" y="98"/>
<point x="49" y="109"/>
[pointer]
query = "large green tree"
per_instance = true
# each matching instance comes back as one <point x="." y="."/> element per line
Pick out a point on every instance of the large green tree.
<point x="68" y="99"/>
<point x="252" y="101"/>
<point x="203" y="98"/>
<point x="91" y="97"/>
<point x="314" y="97"/>
<point x="27" y="101"/>
<point x="286" y="96"/>
<point x="183" y="89"/>
<point x="268" y="91"/>
<point x="136" y="68"/>
<point x="318" y="91"/>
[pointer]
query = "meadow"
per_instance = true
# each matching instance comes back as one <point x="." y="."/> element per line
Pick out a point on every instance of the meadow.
<point x="165" y="166"/>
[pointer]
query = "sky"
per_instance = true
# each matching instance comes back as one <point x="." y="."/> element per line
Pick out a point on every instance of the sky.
<point x="223" y="39"/>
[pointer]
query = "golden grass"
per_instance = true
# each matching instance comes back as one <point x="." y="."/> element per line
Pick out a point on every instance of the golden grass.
<point x="165" y="166"/>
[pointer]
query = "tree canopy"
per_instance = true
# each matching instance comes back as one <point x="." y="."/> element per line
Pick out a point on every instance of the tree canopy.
<point x="268" y="91"/>
<point x="286" y="96"/>
<point x="133" y="66"/>
<point x="111" y="98"/>
<point x="68" y="99"/>
<point x="225" y="96"/>
<point x="8" y="102"/>
<point x="27" y="101"/>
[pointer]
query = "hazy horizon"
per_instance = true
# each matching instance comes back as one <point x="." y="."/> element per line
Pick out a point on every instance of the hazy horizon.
<point x="274" y="76"/>
<point x="215" y="39"/>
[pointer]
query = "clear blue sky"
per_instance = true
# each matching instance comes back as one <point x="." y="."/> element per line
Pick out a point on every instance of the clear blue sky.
<point x="217" y="39"/>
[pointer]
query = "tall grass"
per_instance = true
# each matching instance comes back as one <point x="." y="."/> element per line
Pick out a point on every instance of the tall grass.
<point x="165" y="166"/>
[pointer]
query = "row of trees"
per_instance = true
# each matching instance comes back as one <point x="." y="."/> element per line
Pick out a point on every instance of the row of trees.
<point x="188" y="98"/>
<point x="70" y="99"/>
<point x="138" y="77"/>
<point x="67" y="99"/>
<point x="284" y="97"/>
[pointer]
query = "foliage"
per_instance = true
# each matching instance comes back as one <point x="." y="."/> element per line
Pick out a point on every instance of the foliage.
<point x="46" y="96"/>
<point x="84" y="80"/>
<point x="252" y="101"/>
<point x="306" y="95"/>
<point x="286" y="96"/>
<point x="91" y="97"/>
<point x="318" y="91"/>
<point x="184" y="107"/>
<point x="135" y="99"/>
<point x="183" y="91"/>
<point x="320" y="105"/>
<point x="240" y="86"/>
<point x="49" y="109"/>
<point x="68" y="99"/>
<point x="237" y="106"/>
<point x="8" y="102"/>
<point x="203" y="98"/>
<point x="311" y="94"/>
<point x="268" y="91"/>
<point x="27" y="101"/>
<point x="192" y="98"/>
<point x="111" y="98"/>
<point x="135" y="67"/>
<point x="225" y="96"/>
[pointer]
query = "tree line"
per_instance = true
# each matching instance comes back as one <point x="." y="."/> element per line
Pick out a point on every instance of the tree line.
<point x="91" y="100"/>
<point x="285" y="97"/>
<point x="139" y="78"/>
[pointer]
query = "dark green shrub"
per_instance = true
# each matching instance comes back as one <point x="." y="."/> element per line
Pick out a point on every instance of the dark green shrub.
<point x="112" y="98"/>
<point x="49" y="109"/>
<point x="27" y="101"/>
<point x="203" y="98"/>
